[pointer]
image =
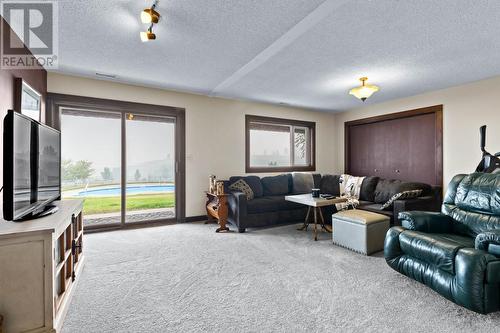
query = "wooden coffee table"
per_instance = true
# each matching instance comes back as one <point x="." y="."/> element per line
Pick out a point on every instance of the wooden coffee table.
<point x="315" y="204"/>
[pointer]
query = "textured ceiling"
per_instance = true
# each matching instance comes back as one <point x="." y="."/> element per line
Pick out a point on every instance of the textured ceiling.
<point x="306" y="53"/>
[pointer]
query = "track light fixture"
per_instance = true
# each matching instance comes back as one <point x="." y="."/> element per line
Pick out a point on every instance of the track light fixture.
<point x="149" y="16"/>
<point x="148" y="35"/>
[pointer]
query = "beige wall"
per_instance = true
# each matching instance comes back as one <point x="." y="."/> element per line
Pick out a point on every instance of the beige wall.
<point x="465" y="109"/>
<point x="211" y="123"/>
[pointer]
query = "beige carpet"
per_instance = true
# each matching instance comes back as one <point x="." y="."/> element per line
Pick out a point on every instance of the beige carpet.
<point x="187" y="278"/>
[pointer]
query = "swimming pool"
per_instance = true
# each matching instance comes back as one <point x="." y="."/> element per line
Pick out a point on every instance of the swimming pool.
<point x="131" y="189"/>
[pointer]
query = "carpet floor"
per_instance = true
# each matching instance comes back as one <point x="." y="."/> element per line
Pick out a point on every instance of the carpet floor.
<point x="187" y="278"/>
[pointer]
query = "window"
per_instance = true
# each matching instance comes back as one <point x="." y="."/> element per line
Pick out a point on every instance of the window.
<point x="274" y="144"/>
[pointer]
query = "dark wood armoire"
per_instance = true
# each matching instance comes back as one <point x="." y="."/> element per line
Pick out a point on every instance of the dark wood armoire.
<point x="405" y="145"/>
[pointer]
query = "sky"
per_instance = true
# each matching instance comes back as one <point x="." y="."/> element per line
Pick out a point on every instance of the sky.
<point x="267" y="143"/>
<point x="98" y="140"/>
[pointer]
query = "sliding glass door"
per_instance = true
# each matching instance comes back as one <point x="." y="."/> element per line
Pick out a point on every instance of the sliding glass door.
<point x="122" y="164"/>
<point x="91" y="163"/>
<point x="150" y="161"/>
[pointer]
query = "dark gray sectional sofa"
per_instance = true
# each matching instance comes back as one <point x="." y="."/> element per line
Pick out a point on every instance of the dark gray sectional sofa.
<point x="269" y="206"/>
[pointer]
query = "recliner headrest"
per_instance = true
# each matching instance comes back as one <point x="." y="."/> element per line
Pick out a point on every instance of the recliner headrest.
<point x="479" y="192"/>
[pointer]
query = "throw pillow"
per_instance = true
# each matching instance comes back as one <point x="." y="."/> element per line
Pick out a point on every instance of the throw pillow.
<point x="368" y="189"/>
<point x="329" y="184"/>
<point x="350" y="186"/>
<point x="277" y="185"/>
<point x="252" y="181"/>
<point x="302" y="182"/>
<point x="402" y="195"/>
<point x="386" y="188"/>
<point x="242" y="186"/>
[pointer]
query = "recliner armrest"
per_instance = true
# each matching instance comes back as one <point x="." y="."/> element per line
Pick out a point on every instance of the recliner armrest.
<point x="487" y="238"/>
<point x="431" y="222"/>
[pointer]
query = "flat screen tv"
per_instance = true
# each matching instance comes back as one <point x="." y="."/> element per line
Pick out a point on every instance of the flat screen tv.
<point x="32" y="168"/>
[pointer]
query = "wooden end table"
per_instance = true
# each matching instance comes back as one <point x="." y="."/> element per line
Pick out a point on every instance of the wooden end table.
<point x="315" y="204"/>
<point x="217" y="210"/>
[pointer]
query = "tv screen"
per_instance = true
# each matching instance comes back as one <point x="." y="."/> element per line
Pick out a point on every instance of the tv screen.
<point x="32" y="155"/>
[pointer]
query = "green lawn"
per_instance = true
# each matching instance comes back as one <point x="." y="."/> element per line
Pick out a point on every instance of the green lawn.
<point x="100" y="205"/>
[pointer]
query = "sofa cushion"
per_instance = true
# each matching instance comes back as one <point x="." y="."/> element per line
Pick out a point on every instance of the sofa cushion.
<point x="271" y="204"/>
<point x="242" y="186"/>
<point x="302" y="182"/>
<point x="372" y="207"/>
<point x="329" y="184"/>
<point x="252" y="181"/>
<point x="386" y="188"/>
<point x="276" y="185"/>
<point x="317" y="179"/>
<point x="438" y="250"/>
<point x="368" y="186"/>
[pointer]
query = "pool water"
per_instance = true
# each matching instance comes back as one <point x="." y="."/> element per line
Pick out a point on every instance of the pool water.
<point x="131" y="189"/>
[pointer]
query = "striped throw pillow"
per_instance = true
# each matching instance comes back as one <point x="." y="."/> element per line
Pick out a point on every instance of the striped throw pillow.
<point x="401" y="196"/>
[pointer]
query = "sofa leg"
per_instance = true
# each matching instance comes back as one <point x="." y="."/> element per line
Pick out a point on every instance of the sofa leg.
<point x="242" y="230"/>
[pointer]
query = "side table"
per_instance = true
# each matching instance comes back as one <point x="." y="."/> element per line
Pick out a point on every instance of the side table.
<point x="217" y="209"/>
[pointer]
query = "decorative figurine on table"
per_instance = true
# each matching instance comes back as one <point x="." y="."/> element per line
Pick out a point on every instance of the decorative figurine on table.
<point x="211" y="183"/>
<point x="220" y="187"/>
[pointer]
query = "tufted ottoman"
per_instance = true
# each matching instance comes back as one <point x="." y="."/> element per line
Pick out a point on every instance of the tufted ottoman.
<point x="360" y="230"/>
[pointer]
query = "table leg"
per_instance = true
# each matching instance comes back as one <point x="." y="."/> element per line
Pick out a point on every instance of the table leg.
<point x="306" y="222"/>
<point x="316" y="223"/>
<point x="323" y="225"/>
<point x="222" y="225"/>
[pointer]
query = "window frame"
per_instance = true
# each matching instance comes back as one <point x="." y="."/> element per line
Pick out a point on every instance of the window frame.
<point x="283" y="122"/>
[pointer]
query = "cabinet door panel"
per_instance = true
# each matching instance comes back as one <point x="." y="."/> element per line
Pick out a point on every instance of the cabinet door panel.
<point x="405" y="147"/>
<point x="22" y="283"/>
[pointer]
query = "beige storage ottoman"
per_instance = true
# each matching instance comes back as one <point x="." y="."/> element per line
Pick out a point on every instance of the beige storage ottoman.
<point x="360" y="230"/>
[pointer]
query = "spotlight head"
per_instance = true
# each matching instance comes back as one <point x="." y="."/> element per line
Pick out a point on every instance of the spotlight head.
<point x="147" y="36"/>
<point x="149" y="15"/>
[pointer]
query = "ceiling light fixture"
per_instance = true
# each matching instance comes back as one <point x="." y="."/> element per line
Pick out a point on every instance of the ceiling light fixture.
<point x="149" y="16"/>
<point x="148" y="35"/>
<point x="364" y="91"/>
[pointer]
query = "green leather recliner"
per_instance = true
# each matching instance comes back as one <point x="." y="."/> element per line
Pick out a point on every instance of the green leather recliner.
<point x="455" y="252"/>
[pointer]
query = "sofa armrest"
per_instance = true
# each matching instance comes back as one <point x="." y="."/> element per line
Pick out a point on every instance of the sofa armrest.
<point x="431" y="222"/>
<point x="487" y="238"/>
<point x="237" y="204"/>
<point x="427" y="203"/>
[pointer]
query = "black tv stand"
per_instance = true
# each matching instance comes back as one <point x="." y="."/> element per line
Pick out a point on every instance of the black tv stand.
<point x="47" y="210"/>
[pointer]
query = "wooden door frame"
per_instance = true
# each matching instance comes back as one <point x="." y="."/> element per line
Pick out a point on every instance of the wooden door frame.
<point x="57" y="101"/>
<point x="437" y="110"/>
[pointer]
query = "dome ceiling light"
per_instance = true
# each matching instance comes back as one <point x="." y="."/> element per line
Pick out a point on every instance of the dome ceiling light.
<point x="364" y="91"/>
<point x="149" y="16"/>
